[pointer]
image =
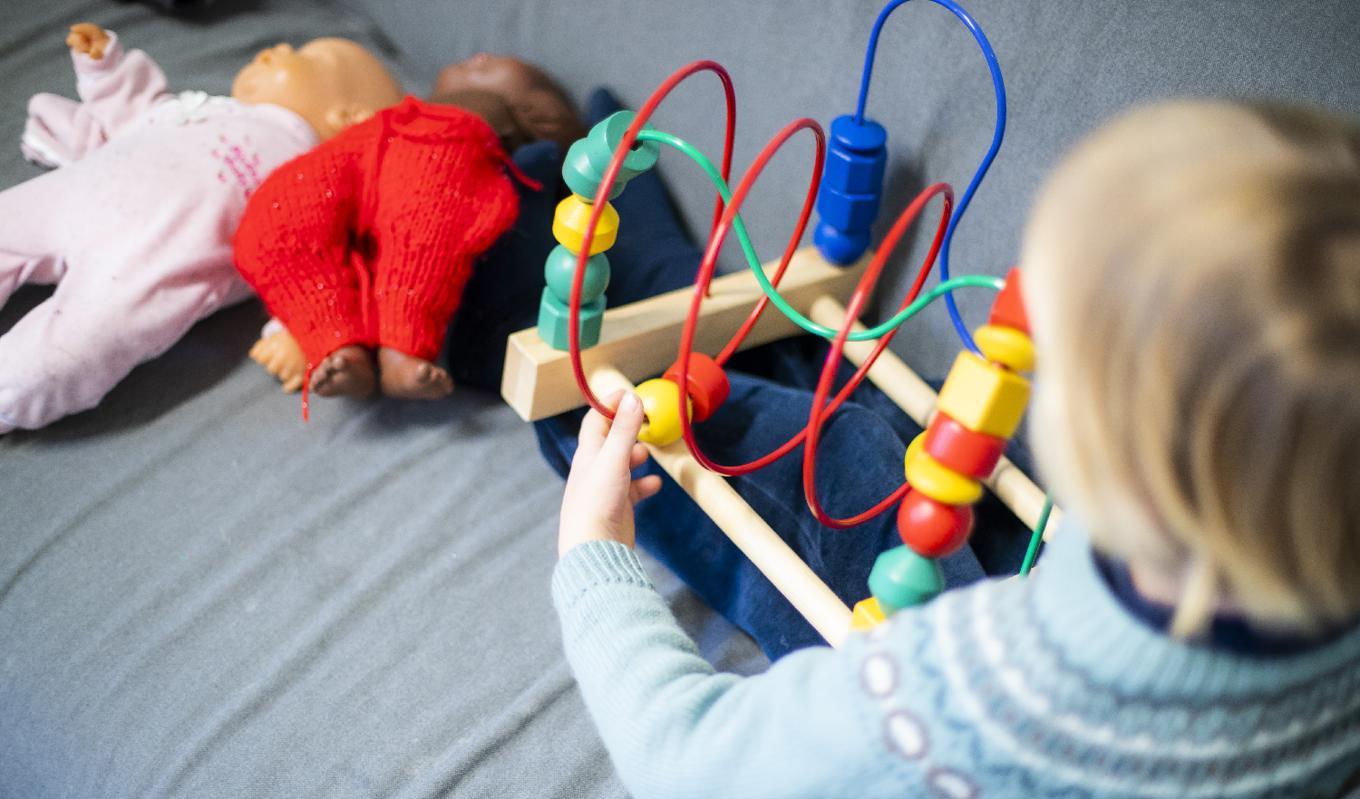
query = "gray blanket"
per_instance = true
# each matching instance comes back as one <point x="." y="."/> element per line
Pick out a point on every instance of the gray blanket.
<point x="202" y="596"/>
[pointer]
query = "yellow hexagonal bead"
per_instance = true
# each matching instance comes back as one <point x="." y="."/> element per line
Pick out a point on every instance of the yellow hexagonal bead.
<point x="867" y="615"/>
<point x="571" y="218"/>
<point x="661" y="402"/>
<point x="1007" y="346"/>
<point x="937" y="481"/>
<point x="984" y="397"/>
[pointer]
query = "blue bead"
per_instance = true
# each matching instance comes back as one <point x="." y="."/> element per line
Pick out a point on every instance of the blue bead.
<point x="851" y="189"/>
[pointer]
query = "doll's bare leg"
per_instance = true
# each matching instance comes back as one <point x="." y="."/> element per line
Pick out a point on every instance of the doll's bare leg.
<point x="347" y="372"/>
<point x="408" y="377"/>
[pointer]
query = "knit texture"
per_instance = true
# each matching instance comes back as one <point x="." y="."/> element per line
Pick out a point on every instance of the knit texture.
<point x="1038" y="688"/>
<point x="369" y="238"/>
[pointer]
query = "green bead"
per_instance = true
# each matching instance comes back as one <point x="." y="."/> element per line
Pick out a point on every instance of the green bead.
<point x="588" y="158"/>
<point x="560" y="268"/>
<point x="902" y="578"/>
<point x="553" y="317"/>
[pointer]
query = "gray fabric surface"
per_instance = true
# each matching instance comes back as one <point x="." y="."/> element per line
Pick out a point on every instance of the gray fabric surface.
<point x="202" y="596"/>
<point x="1068" y="63"/>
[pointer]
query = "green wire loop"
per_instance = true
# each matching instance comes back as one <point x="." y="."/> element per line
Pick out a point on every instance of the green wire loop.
<point x="1037" y="537"/>
<point x="739" y="227"/>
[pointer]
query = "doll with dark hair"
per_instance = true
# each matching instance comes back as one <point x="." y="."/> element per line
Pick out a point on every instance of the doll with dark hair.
<point x="363" y="259"/>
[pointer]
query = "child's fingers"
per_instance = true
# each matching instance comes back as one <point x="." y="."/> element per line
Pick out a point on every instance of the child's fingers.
<point x="644" y="487"/>
<point x="594" y="428"/>
<point x="637" y="457"/>
<point x="623" y="433"/>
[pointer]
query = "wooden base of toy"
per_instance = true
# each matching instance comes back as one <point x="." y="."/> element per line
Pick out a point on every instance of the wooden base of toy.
<point x="639" y="341"/>
<point x="775" y="559"/>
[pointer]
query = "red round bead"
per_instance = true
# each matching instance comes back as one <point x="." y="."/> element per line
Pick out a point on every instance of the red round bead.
<point x="932" y="528"/>
<point x="967" y="452"/>
<point x="708" y="387"/>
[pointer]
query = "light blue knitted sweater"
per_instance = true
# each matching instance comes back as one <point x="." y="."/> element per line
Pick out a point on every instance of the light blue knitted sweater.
<point x="1041" y="688"/>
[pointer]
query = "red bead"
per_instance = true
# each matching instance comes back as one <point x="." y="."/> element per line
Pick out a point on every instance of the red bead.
<point x="965" y="451"/>
<point x="708" y="387"/>
<point x="932" y="528"/>
<point x="1009" y="308"/>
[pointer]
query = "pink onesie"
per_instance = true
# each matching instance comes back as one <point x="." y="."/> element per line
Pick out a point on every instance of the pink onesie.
<point x="135" y="227"/>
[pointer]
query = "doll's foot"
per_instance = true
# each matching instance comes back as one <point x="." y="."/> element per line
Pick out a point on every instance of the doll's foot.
<point x="347" y="372"/>
<point x="408" y="377"/>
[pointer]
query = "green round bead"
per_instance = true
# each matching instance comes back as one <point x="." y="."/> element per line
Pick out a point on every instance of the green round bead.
<point x="902" y="578"/>
<point x="588" y="158"/>
<point x="560" y="268"/>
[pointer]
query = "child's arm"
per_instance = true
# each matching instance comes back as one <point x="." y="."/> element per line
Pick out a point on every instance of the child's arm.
<point x="672" y="725"/>
<point x="115" y="89"/>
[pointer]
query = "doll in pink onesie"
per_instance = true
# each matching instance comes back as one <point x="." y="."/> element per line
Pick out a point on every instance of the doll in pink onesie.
<point x="135" y="224"/>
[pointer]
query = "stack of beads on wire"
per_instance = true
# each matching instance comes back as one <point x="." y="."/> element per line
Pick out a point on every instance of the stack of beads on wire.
<point x="583" y="170"/>
<point x="979" y="408"/>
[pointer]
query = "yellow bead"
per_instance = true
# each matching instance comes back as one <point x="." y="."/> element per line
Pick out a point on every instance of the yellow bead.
<point x="867" y="615"/>
<point x="936" y="480"/>
<point x="571" y="218"/>
<point x="661" y="402"/>
<point x="1006" y="346"/>
<point x="983" y="397"/>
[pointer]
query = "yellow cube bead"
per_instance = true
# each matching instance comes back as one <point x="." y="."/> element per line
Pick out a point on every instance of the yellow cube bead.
<point x="867" y="615"/>
<point x="1007" y="346"/>
<point x="661" y="402"/>
<point x="571" y="218"/>
<point x="936" y="480"/>
<point x="983" y="397"/>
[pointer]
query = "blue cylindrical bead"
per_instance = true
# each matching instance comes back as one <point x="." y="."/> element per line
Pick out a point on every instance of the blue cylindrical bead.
<point x="852" y="188"/>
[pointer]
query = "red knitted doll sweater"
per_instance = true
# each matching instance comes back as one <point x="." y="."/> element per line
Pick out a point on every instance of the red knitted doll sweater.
<point x="369" y="238"/>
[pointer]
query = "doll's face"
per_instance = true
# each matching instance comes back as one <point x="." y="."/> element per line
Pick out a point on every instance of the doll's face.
<point x="535" y="107"/>
<point x="329" y="82"/>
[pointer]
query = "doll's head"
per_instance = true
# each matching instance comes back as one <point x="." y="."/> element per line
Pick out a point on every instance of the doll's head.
<point x="1192" y="273"/>
<point x="517" y="98"/>
<point x="331" y="83"/>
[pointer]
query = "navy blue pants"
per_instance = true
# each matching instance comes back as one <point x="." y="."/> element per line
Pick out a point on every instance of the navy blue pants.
<point x="859" y="462"/>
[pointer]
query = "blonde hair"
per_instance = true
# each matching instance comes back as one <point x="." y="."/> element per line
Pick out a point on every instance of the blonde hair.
<point x="1193" y="280"/>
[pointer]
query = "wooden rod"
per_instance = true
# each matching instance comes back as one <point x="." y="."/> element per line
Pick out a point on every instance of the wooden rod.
<point x="775" y="559"/>
<point x="917" y="399"/>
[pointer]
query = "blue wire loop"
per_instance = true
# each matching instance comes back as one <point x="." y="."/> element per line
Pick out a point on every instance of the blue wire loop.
<point x="999" y="85"/>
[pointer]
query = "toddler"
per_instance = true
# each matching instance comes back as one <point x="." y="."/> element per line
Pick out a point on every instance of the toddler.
<point x="1193" y="282"/>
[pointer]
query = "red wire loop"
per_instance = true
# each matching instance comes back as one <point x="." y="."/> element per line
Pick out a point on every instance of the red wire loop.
<point x="602" y="197"/>
<point x="723" y="219"/>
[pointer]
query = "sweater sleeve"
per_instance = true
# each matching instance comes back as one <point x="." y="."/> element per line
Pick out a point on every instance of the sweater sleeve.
<point x="114" y="90"/>
<point x="676" y="728"/>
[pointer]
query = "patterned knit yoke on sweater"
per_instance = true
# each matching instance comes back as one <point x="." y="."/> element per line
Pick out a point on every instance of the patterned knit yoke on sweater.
<point x="370" y="238"/>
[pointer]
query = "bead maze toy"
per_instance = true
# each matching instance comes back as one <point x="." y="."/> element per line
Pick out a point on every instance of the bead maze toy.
<point x="579" y="351"/>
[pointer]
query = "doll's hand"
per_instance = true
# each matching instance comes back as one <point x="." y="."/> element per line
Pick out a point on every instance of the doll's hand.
<point x="281" y="356"/>
<point x="598" y="502"/>
<point x="89" y="39"/>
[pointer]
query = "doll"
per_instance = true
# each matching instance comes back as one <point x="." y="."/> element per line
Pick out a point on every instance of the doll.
<point x="520" y="104"/>
<point x="134" y="225"/>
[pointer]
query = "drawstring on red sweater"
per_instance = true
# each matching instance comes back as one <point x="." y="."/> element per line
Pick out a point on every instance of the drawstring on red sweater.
<point x="518" y="174"/>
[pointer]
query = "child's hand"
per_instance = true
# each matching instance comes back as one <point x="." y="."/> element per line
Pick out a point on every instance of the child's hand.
<point x="598" y="503"/>
<point x="89" y="39"/>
